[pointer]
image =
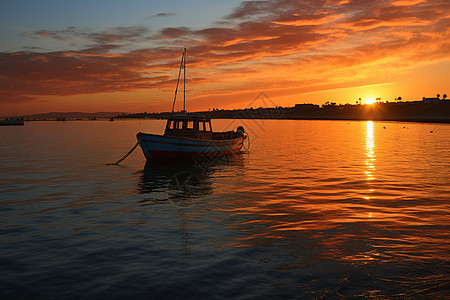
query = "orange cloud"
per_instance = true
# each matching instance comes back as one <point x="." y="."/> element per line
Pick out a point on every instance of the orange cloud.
<point x="406" y="2"/>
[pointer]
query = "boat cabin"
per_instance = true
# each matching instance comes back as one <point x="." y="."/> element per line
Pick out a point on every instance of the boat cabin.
<point x="190" y="127"/>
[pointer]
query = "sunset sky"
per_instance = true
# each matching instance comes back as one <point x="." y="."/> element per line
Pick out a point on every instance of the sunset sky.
<point x="112" y="55"/>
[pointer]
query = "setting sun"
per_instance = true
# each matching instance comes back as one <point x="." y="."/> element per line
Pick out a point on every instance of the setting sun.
<point x="370" y="101"/>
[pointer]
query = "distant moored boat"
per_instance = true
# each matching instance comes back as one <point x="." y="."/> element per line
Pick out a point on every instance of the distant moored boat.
<point x="11" y="121"/>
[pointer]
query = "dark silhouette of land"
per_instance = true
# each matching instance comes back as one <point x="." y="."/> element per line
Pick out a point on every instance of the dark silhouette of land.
<point x="63" y="116"/>
<point x="431" y="110"/>
<point x="436" y="111"/>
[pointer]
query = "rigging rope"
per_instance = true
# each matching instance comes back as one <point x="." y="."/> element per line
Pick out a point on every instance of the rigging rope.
<point x="183" y="63"/>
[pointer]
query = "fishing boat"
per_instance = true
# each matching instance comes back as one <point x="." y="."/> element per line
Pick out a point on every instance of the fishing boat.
<point x="189" y="136"/>
<point x="12" y="121"/>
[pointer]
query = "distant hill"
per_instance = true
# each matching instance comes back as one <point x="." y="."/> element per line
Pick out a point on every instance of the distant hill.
<point x="72" y="115"/>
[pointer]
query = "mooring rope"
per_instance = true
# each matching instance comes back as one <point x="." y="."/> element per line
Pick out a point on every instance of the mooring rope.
<point x="126" y="155"/>
<point x="246" y="137"/>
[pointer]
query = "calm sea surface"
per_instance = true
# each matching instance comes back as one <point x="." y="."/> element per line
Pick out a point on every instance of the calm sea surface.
<point x="315" y="209"/>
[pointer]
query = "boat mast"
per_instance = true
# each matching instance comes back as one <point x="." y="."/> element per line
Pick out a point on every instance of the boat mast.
<point x="182" y="67"/>
<point x="184" y="82"/>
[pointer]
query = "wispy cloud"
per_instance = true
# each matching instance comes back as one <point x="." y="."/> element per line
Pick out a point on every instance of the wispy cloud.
<point x="160" y="15"/>
<point x="117" y="36"/>
<point x="165" y="15"/>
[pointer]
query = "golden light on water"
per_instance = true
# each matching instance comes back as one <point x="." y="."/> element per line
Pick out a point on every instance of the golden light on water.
<point x="370" y="157"/>
<point x="370" y="151"/>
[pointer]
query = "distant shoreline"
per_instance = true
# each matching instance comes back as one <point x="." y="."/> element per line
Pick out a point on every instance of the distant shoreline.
<point x="418" y="111"/>
<point x="417" y="120"/>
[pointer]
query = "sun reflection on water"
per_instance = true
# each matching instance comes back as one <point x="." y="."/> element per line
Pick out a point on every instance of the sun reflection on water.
<point x="370" y="158"/>
<point x="370" y="151"/>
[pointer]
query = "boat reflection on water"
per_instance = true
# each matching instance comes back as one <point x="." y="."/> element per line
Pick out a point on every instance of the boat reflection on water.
<point x="182" y="182"/>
